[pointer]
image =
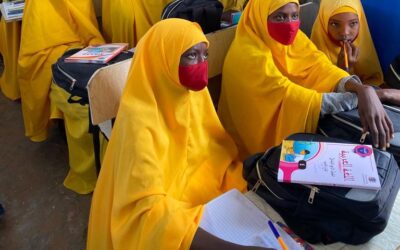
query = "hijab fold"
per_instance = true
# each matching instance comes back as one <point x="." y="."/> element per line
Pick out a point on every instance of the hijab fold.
<point x="168" y="154"/>
<point x="367" y="66"/>
<point x="270" y="90"/>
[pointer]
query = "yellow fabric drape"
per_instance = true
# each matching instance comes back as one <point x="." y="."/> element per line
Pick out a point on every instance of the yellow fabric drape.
<point x="367" y="66"/>
<point x="128" y="20"/>
<point x="82" y="174"/>
<point x="270" y="90"/>
<point x="49" y="28"/>
<point x="168" y="153"/>
<point x="10" y="34"/>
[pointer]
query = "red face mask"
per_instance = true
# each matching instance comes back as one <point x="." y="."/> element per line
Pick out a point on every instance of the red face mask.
<point x="194" y="77"/>
<point x="283" y="32"/>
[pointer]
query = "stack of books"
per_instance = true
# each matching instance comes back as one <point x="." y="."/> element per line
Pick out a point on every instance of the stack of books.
<point x="12" y="10"/>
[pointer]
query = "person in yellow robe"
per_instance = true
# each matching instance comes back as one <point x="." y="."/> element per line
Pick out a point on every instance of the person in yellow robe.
<point x="275" y="82"/>
<point x="10" y="35"/>
<point x="168" y="154"/>
<point x="342" y="24"/>
<point x="128" y="20"/>
<point x="49" y="28"/>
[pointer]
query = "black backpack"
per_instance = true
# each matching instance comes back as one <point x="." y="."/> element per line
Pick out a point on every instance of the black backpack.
<point x="207" y="13"/>
<point x="347" y="125"/>
<point x="322" y="213"/>
<point x="392" y="75"/>
<point x="74" y="77"/>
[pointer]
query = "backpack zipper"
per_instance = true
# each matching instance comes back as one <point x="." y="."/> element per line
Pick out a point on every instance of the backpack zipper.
<point x="314" y="190"/>
<point x="394" y="72"/>
<point x="173" y="6"/>
<point x="391" y="108"/>
<point x="261" y="182"/>
<point x="363" y="135"/>
<point x="73" y="80"/>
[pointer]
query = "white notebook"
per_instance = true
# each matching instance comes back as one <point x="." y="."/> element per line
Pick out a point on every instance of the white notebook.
<point x="234" y="218"/>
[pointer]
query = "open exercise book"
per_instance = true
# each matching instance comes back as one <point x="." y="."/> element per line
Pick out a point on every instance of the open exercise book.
<point x="233" y="217"/>
<point x="328" y="163"/>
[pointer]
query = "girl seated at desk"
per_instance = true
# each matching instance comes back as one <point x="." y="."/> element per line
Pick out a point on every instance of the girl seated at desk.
<point x="275" y="82"/>
<point x="168" y="154"/>
<point x="341" y="32"/>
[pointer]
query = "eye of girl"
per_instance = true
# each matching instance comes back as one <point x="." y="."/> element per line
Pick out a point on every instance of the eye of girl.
<point x="279" y="18"/>
<point x="333" y="24"/>
<point x="191" y="55"/>
<point x="295" y="16"/>
<point x="353" y="23"/>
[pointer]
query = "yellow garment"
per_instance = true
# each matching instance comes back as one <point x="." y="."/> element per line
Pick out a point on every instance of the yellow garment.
<point x="233" y="4"/>
<point x="48" y="29"/>
<point x="367" y="66"/>
<point x="168" y="154"/>
<point x="344" y="9"/>
<point x="270" y="90"/>
<point x="82" y="173"/>
<point x="10" y="34"/>
<point x="128" y="20"/>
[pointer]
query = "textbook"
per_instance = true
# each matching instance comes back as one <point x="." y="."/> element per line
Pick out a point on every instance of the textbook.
<point x="97" y="53"/>
<point x="234" y="218"/>
<point x="12" y="10"/>
<point x="327" y="163"/>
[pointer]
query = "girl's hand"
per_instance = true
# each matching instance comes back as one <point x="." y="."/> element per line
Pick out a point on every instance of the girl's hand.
<point x="352" y="55"/>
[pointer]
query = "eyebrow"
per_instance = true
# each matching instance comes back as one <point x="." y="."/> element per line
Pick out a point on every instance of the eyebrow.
<point x="340" y="21"/>
<point x="285" y="14"/>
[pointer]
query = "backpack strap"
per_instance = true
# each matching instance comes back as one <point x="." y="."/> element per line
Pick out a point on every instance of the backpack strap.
<point x="95" y="131"/>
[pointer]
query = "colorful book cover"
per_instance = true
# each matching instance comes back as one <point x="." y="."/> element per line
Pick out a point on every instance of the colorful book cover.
<point x="97" y="53"/>
<point x="327" y="163"/>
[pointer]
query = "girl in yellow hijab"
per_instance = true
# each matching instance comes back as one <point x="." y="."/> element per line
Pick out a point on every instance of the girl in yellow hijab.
<point x="274" y="79"/>
<point x="168" y="154"/>
<point x="128" y="20"/>
<point x="49" y="28"/>
<point x="10" y="34"/>
<point x="342" y="23"/>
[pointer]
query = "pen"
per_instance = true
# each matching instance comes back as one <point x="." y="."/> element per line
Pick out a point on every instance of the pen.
<point x="277" y="236"/>
<point x="346" y="58"/>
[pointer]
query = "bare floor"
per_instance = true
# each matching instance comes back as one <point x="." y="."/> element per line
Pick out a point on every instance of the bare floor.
<point x="39" y="212"/>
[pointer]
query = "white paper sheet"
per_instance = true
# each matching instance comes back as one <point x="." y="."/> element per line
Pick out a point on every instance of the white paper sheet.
<point x="232" y="217"/>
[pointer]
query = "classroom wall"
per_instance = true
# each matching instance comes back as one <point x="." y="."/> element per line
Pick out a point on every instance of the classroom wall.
<point x="384" y="25"/>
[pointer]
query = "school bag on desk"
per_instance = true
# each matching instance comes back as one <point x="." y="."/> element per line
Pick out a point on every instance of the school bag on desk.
<point x="347" y="125"/>
<point x="323" y="213"/>
<point x="207" y="13"/>
<point x="73" y="77"/>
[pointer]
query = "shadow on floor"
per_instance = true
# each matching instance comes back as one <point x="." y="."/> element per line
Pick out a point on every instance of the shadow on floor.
<point x="39" y="212"/>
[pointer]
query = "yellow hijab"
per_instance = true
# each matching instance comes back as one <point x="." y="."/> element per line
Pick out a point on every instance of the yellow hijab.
<point x="168" y="153"/>
<point x="367" y="67"/>
<point x="270" y="90"/>
<point x="49" y="28"/>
